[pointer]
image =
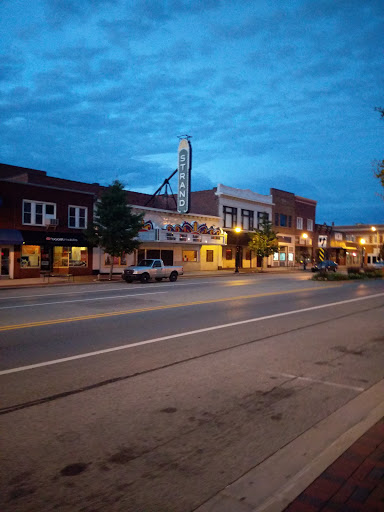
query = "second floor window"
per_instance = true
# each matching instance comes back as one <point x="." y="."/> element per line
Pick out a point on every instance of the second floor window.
<point x="299" y="222"/>
<point x="310" y="224"/>
<point x="38" y="213"/>
<point x="247" y="220"/>
<point x="230" y="217"/>
<point x="261" y="217"/>
<point x="77" y="217"/>
<point x="283" y="220"/>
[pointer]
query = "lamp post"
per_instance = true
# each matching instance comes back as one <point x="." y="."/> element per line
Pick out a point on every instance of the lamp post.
<point x="237" y="231"/>
<point x="305" y="236"/>
<point x="362" y="242"/>
<point x="373" y="228"/>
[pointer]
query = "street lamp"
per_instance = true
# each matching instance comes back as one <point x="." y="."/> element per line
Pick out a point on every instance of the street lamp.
<point x="305" y="236"/>
<point x="237" y="231"/>
<point x="362" y="242"/>
<point x="373" y="228"/>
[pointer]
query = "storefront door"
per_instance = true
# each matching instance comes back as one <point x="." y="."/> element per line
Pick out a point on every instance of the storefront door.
<point x="4" y="261"/>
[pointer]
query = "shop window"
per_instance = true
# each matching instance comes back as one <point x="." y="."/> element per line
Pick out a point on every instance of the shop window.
<point x="282" y="256"/>
<point x="230" y="217"/>
<point x="30" y="256"/>
<point x="118" y="261"/>
<point x="77" y="217"/>
<point x="38" y="213"/>
<point x="248" y="255"/>
<point x="189" y="255"/>
<point x="275" y="256"/>
<point x="70" y="257"/>
<point x="228" y="254"/>
<point x="209" y="256"/>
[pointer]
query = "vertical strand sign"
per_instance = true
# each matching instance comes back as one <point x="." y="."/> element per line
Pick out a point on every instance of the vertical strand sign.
<point x="184" y="168"/>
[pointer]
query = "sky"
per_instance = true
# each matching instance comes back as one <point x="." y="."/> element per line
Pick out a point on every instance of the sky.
<point x="274" y="93"/>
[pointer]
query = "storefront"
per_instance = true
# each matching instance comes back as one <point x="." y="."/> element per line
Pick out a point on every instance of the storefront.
<point x="193" y="241"/>
<point x="10" y="240"/>
<point x="62" y="253"/>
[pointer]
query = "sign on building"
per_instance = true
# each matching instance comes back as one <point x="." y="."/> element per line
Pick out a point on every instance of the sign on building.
<point x="322" y="241"/>
<point x="184" y="168"/>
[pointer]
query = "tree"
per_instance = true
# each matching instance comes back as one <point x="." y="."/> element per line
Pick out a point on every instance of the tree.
<point x="115" y="228"/>
<point x="379" y="172"/>
<point x="264" y="241"/>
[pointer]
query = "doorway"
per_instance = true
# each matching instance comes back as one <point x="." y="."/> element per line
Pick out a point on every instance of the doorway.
<point x="4" y="262"/>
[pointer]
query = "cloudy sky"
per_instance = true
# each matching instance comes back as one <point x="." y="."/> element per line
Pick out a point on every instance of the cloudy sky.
<point x="275" y="93"/>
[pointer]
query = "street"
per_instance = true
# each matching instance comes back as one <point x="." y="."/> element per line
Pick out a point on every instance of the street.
<point x="156" y="397"/>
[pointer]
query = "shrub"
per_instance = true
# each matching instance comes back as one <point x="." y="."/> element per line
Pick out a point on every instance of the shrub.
<point x="330" y="276"/>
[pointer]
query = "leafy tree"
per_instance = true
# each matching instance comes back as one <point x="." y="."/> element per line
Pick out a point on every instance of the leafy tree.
<point x="115" y="228"/>
<point x="264" y="240"/>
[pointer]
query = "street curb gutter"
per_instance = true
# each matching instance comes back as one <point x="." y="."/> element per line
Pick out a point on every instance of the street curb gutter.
<point x="274" y="483"/>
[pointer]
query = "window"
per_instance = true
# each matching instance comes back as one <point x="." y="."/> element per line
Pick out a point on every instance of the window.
<point x="276" y="219"/>
<point x="70" y="257"/>
<point x="338" y="236"/>
<point x="299" y="223"/>
<point x="77" y="217"/>
<point x="30" y="256"/>
<point x="120" y="261"/>
<point x="230" y="217"/>
<point x="228" y="254"/>
<point x="209" y="256"/>
<point x="189" y="255"/>
<point x="309" y="224"/>
<point x="247" y="220"/>
<point x="38" y="213"/>
<point x="283" y="220"/>
<point x="261" y="216"/>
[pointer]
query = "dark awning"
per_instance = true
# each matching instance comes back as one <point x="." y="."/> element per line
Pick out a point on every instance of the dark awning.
<point x="52" y="238"/>
<point x="10" y="237"/>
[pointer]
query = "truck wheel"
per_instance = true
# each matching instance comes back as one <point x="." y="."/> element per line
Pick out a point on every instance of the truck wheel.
<point x="144" y="278"/>
<point x="127" y="280"/>
<point x="159" y="279"/>
<point x="173" y="277"/>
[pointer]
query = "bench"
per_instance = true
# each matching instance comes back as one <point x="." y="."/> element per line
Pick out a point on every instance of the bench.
<point x="48" y="275"/>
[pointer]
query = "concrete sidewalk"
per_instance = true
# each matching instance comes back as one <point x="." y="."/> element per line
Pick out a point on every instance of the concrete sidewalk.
<point x="354" y="482"/>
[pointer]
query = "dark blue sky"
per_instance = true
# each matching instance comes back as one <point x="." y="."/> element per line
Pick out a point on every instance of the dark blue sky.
<point x="275" y="94"/>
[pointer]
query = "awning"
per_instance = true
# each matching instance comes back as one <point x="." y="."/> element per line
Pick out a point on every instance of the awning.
<point x="342" y="245"/>
<point x="10" y="237"/>
<point x="53" y="238"/>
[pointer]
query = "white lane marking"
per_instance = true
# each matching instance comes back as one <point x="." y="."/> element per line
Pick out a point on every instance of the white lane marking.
<point x="100" y="291"/>
<point x="179" y="335"/>
<point x="78" y="300"/>
<point x="319" y="381"/>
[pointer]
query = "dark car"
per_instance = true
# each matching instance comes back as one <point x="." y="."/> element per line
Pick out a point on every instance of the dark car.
<point x="324" y="265"/>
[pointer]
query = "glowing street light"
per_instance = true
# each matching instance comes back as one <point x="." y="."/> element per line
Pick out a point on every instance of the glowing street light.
<point x="362" y="242"/>
<point x="237" y="231"/>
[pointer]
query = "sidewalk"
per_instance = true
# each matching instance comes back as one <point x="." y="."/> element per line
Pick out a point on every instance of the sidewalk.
<point x="354" y="482"/>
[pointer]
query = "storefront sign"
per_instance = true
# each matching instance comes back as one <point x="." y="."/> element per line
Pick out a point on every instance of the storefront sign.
<point x="184" y="168"/>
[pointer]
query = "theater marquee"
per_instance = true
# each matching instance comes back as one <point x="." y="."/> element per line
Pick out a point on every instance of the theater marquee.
<point x="184" y="168"/>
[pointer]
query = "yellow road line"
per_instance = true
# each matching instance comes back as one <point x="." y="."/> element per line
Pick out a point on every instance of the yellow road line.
<point x="155" y="308"/>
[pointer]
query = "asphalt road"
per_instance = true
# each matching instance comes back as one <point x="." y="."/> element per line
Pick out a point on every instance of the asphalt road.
<point x="154" y="398"/>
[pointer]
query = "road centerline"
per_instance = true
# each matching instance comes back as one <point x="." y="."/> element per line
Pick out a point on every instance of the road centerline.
<point x="153" y="308"/>
<point x="188" y="333"/>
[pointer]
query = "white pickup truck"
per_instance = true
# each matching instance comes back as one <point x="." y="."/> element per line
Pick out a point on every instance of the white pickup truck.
<point x="151" y="269"/>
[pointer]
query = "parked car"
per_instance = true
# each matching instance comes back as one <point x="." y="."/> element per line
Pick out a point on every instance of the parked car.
<point x="151" y="269"/>
<point x="377" y="265"/>
<point x="325" y="265"/>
